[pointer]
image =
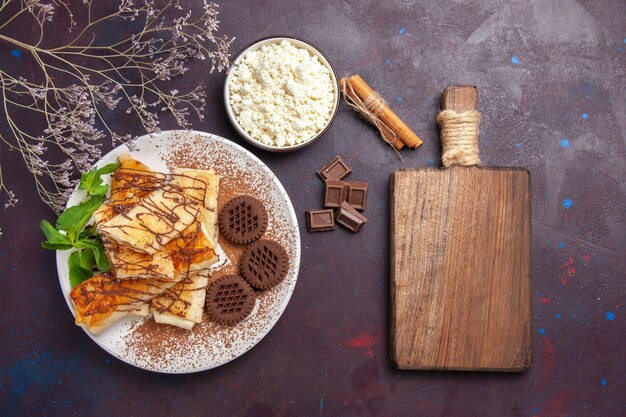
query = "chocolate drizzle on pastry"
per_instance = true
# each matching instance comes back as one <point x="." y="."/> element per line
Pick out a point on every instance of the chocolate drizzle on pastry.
<point x="154" y="220"/>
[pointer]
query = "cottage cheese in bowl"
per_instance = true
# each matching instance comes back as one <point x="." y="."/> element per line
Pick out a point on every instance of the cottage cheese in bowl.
<point x="281" y="94"/>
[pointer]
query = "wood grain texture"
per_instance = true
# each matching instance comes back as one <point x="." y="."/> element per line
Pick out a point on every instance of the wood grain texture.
<point x="460" y="98"/>
<point x="460" y="269"/>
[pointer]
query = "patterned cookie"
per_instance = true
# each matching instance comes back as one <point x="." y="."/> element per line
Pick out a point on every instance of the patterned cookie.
<point x="243" y="219"/>
<point x="230" y="299"/>
<point x="264" y="264"/>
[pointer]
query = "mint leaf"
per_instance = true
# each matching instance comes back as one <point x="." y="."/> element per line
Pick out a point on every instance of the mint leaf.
<point x="74" y="218"/>
<point x="55" y="239"/>
<point x="99" y="190"/>
<point x="102" y="262"/>
<point x="78" y="274"/>
<point x="56" y="246"/>
<point x="89" y="231"/>
<point x="91" y="181"/>
<point x="71" y="216"/>
<point x="108" y="168"/>
<point x="86" y="259"/>
<point x="83" y="261"/>
<point x="85" y="243"/>
<point x="96" y="248"/>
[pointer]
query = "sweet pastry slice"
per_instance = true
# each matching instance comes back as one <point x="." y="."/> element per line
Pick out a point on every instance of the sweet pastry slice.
<point x="102" y="300"/>
<point x="104" y="213"/>
<point x="202" y="185"/>
<point x="192" y="252"/>
<point x="154" y="221"/>
<point x="142" y="311"/>
<point x="132" y="181"/>
<point x="127" y="263"/>
<point x="183" y="304"/>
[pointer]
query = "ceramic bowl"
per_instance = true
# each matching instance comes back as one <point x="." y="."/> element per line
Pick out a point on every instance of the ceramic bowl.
<point x="300" y="43"/>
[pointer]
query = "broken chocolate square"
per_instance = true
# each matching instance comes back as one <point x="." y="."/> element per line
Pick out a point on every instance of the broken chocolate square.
<point x="320" y="220"/>
<point x="336" y="169"/>
<point x="335" y="193"/>
<point x="349" y="217"/>
<point x="356" y="195"/>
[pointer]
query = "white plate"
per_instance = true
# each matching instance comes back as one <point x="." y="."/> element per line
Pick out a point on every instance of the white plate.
<point x="209" y="345"/>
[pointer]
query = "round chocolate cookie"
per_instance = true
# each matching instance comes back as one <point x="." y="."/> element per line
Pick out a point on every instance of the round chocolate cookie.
<point x="230" y="299"/>
<point x="264" y="264"/>
<point x="243" y="219"/>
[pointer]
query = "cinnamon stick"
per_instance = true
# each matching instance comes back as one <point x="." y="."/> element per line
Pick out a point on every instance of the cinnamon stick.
<point x="386" y="132"/>
<point x="403" y="133"/>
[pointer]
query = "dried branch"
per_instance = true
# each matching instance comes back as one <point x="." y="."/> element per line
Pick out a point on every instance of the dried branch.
<point x="128" y="75"/>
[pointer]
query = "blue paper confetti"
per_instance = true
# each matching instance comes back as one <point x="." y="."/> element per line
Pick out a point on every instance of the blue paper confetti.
<point x="542" y="331"/>
<point x="518" y="145"/>
<point x="399" y="100"/>
<point x="584" y="116"/>
<point x="515" y="60"/>
<point x="568" y="203"/>
<point x="603" y="382"/>
<point x="610" y="315"/>
<point x="16" y="53"/>
<point x="557" y="315"/>
<point x="402" y="30"/>
<point x="561" y="245"/>
<point x="565" y="143"/>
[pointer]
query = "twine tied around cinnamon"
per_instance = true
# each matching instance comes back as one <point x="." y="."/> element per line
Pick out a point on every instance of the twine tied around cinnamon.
<point x="369" y="109"/>
<point x="459" y="137"/>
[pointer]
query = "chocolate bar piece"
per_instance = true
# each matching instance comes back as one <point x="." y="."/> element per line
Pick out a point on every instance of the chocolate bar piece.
<point x="356" y="194"/>
<point x="320" y="220"/>
<point x="335" y="193"/>
<point x="336" y="169"/>
<point x="349" y="217"/>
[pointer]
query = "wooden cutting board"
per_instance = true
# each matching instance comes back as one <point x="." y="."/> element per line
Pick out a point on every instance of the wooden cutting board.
<point x="460" y="264"/>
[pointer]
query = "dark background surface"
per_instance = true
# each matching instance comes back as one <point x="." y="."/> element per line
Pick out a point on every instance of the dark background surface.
<point x="547" y="71"/>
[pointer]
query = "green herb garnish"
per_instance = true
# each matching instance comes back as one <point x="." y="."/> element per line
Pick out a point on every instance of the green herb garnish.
<point x="90" y="254"/>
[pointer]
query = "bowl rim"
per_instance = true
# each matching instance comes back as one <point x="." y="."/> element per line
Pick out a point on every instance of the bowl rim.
<point x="231" y="114"/>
